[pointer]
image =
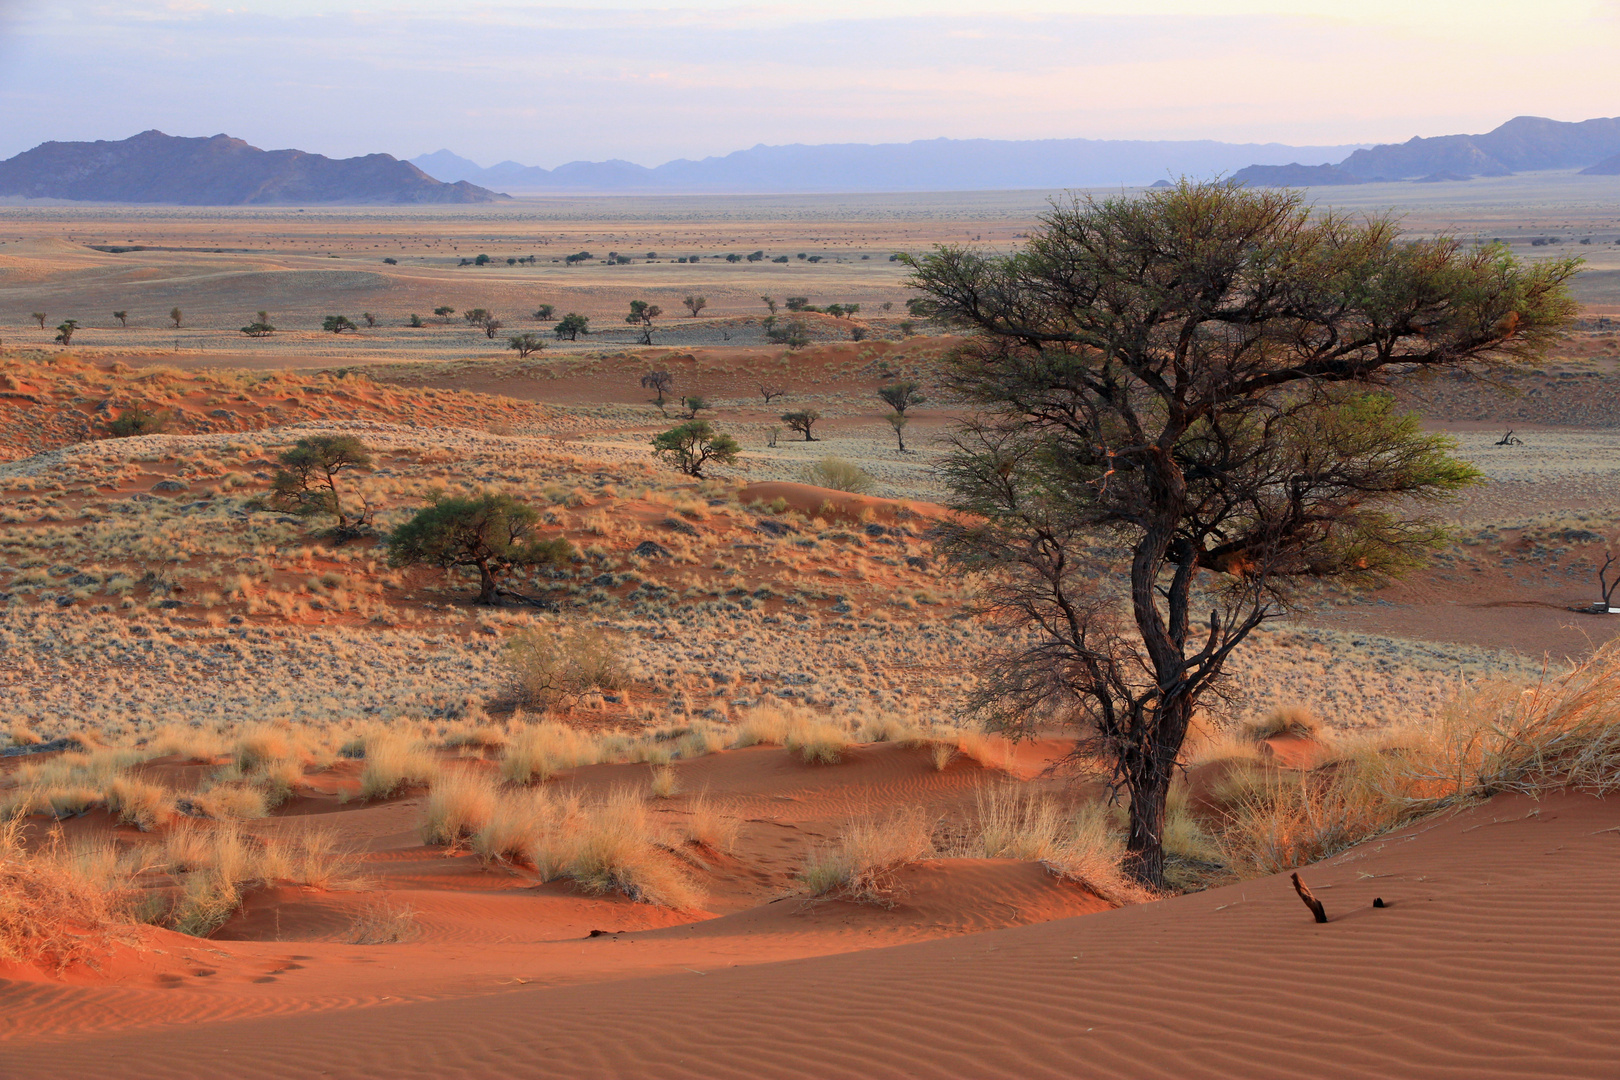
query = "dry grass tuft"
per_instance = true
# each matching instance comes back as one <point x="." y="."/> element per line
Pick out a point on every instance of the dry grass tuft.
<point x="53" y="913"/>
<point x="1295" y="720"/>
<point x="540" y="751"/>
<point x="861" y="865"/>
<point x="383" y="922"/>
<point x="460" y="804"/>
<point x="393" y="763"/>
<point x="665" y="784"/>
<point x="707" y="825"/>
<point x="1015" y="823"/>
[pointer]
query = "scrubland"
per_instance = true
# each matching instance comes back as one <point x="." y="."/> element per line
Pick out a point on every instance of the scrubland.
<point x="726" y="732"/>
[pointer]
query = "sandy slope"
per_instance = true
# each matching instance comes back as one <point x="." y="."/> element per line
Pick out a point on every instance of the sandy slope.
<point x="1497" y="957"/>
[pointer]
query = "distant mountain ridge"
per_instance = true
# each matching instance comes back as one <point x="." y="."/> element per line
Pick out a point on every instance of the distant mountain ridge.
<point x="1523" y="144"/>
<point x="927" y="165"/>
<point x="220" y="171"/>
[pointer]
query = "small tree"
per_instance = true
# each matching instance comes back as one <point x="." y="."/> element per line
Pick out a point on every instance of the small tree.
<point x="39" y="317"/>
<point x="770" y="302"/>
<point x="475" y="316"/>
<point x="695" y="304"/>
<point x="797" y="303"/>
<point x="643" y="314"/>
<point x="572" y="325"/>
<point x="415" y="321"/>
<point x="693" y="404"/>
<point x="802" y="420"/>
<point x="122" y="317"/>
<point x="490" y="325"/>
<point x="174" y="315"/>
<point x="64" y="331"/>
<point x="661" y="382"/>
<point x="694" y="444"/>
<point x="492" y="533"/>
<point x="371" y="320"/>
<point x="526" y="344"/>
<point x="259" y="327"/>
<point x="306" y="484"/>
<point x="338" y="323"/>
<point x="544" y="312"/>
<point x="137" y="420"/>
<point x="771" y="390"/>
<point x="898" y="421"/>
<point x="901" y="395"/>
<point x="444" y="313"/>
<point x="482" y="260"/>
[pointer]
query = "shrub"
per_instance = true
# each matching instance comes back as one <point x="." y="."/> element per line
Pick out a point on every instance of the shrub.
<point x="802" y="420"/>
<point x="492" y="533"/>
<point x="137" y="420"/>
<point x="840" y="475"/>
<point x="549" y="666"/>
<point x="52" y="913"/>
<point x="1015" y="823"/>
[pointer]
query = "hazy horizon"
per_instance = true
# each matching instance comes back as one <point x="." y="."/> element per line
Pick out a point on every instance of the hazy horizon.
<point x="545" y="85"/>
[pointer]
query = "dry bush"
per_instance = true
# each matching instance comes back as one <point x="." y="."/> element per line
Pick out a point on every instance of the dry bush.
<point x="232" y="801"/>
<point x="1295" y="720"/>
<point x="459" y="804"/>
<point x="394" y="762"/>
<point x="542" y="750"/>
<point x="1014" y="823"/>
<point x="1284" y="820"/>
<point x="861" y="864"/>
<point x="262" y="745"/>
<point x="52" y="913"/>
<point x="888" y="728"/>
<point x="550" y="666"/>
<point x="383" y="922"/>
<point x="840" y="475"/>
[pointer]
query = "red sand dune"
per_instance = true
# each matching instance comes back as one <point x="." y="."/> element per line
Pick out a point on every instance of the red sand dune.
<point x="1498" y="956"/>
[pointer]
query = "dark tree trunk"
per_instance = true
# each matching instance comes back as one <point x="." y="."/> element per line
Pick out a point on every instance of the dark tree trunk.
<point x="1149" y="767"/>
<point x="488" y="592"/>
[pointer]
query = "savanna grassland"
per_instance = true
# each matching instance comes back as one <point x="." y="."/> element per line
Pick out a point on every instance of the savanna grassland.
<point x="265" y="788"/>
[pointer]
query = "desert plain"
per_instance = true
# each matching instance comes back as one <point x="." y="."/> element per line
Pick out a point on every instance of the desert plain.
<point x="701" y="802"/>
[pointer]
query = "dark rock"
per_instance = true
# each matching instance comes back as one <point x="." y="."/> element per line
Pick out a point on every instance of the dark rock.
<point x="171" y="485"/>
<point x="647" y="549"/>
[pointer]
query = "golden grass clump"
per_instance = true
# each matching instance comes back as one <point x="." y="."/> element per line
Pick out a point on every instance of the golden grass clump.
<point x="214" y="865"/>
<point x="1294" y="720"/>
<point x="708" y="825"/>
<point x="540" y="751"/>
<point x="815" y="740"/>
<point x="459" y="804"/>
<point x="393" y="763"/>
<point x="664" y="784"/>
<point x="140" y="803"/>
<point x="1014" y="823"/>
<point x="861" y="864"/>
<point x="53" y="913"/>
<point x="606" y="846"/>
<point x="383" y="922"/>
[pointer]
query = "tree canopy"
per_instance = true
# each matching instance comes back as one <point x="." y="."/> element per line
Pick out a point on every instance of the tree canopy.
<point x="492" y="533"/>
<point x="1179" y="420"/>
<point x="692" y="445"/>
<point x="306" y="484"/>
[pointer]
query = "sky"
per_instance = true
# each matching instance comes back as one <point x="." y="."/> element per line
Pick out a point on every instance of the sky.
<point x="647" y="81"/>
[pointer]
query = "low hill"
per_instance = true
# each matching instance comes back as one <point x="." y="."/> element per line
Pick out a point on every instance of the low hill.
<point x="220" y="171"/>
<point x="925" y="165"/>
<point x="1523" y="144"/>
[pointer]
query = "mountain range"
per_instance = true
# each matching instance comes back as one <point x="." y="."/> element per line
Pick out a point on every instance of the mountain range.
<point x="929" y="165"/>
<point x="1523" y="144"/>
<point x="220" y="171"/>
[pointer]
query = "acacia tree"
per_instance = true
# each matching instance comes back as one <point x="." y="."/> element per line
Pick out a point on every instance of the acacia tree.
<point x="802" y="420"/>
<point x="39" y="317"/>
<point x="572" y="325"/>
<point x="175" y="315"/>
<point x="64" y="331"/>
<point x="695" y="304"/>
<point x="643" y="314"/>
<point x="122" y="317"/>
<point x="1177" y="424"/>
<point x="526" y="344"/>
<point x="492" y="533"/>
<point x="660" y="382"/>
<point x="693" y="444"/>
<point x="306" y="484"/>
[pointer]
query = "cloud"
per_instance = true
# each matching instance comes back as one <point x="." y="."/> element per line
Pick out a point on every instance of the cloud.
<point x="545" y="85"/>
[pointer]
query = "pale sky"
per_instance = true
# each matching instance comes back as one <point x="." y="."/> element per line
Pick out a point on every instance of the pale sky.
<point x="646" y="81"/>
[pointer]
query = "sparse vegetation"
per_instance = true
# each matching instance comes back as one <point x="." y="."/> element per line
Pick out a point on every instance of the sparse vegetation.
<point x="692" y="445"/>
